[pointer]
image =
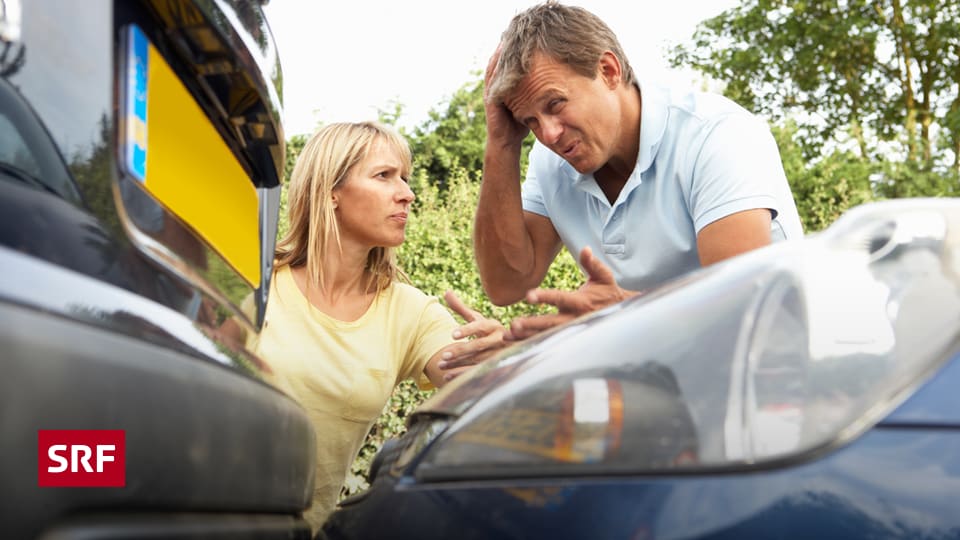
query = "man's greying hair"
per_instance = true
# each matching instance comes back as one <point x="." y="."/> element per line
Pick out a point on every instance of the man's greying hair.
<point x="568" y="34"/>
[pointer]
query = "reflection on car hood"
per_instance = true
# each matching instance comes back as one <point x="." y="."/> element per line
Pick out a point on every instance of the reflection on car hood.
<point x="510" y="363"/>
<point x="871" y="231"/>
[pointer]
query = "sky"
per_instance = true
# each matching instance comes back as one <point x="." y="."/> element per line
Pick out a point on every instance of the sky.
<point x="347" y="59"/>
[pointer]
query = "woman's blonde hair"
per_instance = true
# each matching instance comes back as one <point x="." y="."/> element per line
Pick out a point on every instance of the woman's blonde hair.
<point x="322" y="167"/>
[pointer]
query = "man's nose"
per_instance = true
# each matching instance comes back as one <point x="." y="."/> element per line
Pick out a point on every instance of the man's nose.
<point x="551" y="129"/>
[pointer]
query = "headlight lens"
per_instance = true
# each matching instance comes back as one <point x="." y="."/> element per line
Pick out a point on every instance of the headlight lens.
<point x="781" y="352"/>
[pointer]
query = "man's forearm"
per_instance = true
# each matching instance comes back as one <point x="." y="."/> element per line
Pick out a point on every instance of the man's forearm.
<point x="502" y="244"/>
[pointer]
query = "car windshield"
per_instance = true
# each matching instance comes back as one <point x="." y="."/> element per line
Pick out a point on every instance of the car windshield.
<point x="27" y="154"/>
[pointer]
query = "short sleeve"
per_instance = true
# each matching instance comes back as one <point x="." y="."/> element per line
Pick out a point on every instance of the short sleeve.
<point x="434" y="331"/>
<point x="530" y="194"/>
<point x="738" y="168"/>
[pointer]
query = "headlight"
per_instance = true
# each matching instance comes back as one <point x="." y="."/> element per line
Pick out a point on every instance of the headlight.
<point x="769" y="356"/>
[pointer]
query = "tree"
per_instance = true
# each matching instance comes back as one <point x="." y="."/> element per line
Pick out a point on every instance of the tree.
<point x="454" y="136"/>
<point x="877" y="76"/>
<point x="294" y="146"/>
<point x="828" y="187"/>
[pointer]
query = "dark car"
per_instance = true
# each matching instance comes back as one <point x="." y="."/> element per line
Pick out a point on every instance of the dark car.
<point x="141" y="153"/>
<point x="805" y="390"/>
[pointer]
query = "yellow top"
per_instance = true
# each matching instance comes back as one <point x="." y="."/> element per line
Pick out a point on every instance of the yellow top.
<point x="343" y="373"/>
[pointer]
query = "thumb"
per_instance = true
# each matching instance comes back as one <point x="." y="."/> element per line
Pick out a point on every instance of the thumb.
<point x="597" y="272"/>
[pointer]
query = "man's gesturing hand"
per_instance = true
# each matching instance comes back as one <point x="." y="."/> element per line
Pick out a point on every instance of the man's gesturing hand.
<point x="599" y="291"/>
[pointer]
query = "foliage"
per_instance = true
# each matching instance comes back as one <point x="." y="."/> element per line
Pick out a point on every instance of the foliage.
<point x="454" y="136"/>
<point x="294" y="146"/>
<point x="899" y="180"/>
<point x="92" y="169"/>
<point x="826" y="188"/>
<point x="879" y="75"/>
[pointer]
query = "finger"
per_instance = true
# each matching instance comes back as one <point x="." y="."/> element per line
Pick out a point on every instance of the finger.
<point x="454" y="373"/>
<point x="524" y="327"/>
<point x="486" y="344"/>
<point x="478" y="328"/>
<point x="562" y="300"/>
<point x="457" y="305"/>
<point x="458" y="362"/>
<point x="454" y="359"/>
<point x="492" y="64"/>
<point x="520" y="332"/>
<point x="470" y="352"/>
<point x="594" y="267"/>
<point x="456" y="355"/>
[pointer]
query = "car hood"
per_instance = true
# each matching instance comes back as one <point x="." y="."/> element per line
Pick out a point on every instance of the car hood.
<point x="704" y="317"/>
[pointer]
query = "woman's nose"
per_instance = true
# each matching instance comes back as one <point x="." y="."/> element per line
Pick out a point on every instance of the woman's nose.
<point x="405" y="194"/>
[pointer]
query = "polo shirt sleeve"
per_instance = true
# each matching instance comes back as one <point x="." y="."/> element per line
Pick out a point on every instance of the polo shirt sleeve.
<point x="433" y="332"/>
<point x="530" y="194"/>
<point x="738" y="168"/>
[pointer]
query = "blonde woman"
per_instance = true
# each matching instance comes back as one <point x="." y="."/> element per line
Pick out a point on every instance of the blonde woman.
<point x="342" y="327"/>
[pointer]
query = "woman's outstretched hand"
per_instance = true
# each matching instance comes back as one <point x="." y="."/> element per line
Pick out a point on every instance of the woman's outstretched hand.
<point x="480" y="337"/>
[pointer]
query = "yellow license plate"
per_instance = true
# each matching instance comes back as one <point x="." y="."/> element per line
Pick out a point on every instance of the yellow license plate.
<point x="171" y="147"/>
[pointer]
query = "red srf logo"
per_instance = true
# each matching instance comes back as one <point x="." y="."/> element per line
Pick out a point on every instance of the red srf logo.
<point x="81" y="458"/>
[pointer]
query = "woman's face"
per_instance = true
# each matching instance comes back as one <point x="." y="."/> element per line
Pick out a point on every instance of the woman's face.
<point x="373" y="203"/>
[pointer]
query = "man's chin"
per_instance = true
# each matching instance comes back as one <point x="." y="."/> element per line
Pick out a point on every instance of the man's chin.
<point x="582" y="167"/>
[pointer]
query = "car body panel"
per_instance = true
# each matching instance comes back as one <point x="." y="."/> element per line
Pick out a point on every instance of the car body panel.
<point x="870" y="489"/>
<point x="893" y="482"/>
<point x="116" y="299"/>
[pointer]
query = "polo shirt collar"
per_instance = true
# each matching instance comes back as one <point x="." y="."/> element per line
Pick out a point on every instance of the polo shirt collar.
<point x="653" y="124"/>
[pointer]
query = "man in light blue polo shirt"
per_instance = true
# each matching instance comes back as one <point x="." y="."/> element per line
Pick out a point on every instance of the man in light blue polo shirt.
<point x="645" y="183"/>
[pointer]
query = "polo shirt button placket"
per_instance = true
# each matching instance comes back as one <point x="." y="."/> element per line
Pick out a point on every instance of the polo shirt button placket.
<point x="613" y="235"/>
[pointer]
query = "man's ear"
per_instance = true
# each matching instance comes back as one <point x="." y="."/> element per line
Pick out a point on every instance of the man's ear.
<point x="610" y="70"/>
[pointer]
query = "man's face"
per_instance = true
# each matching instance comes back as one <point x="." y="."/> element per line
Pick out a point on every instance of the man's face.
<point x="574" y="116"/>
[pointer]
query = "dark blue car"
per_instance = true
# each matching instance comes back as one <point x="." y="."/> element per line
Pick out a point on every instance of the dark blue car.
<point x="806" y="390"/>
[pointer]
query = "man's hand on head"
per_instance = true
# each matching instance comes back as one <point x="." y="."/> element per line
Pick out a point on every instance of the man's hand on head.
<point x="503" y="131"/>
